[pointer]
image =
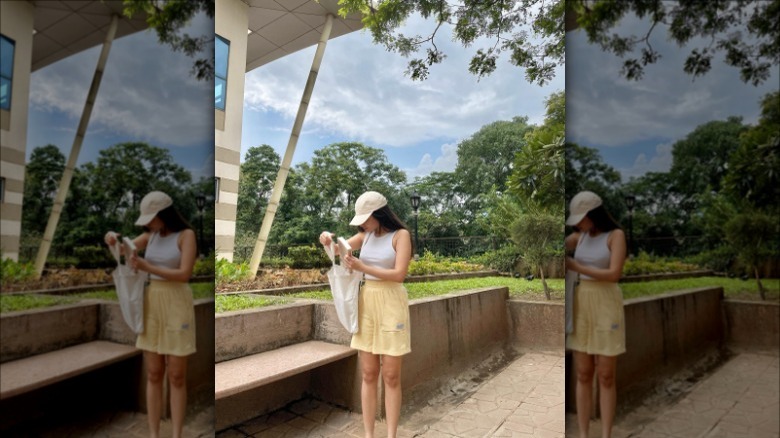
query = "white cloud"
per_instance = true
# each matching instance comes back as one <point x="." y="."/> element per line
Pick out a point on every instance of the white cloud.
<point x="661" y="161"/>
<point x="362" y="95"/>
<point x="446" y="162"/>
<point x="147" y="92"/>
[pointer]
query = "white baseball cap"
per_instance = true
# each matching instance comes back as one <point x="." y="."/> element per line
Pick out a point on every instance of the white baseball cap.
<point x="580" y="205"/>
<point x="366" y="204"/>
<point x="152" y="204"/>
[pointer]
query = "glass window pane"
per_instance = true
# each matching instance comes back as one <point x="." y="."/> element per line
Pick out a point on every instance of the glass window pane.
<point x="6" y="57"/>
<point x="219" y="93"/>
<point x="221" y="51"/>
<point x="5" y="93"/>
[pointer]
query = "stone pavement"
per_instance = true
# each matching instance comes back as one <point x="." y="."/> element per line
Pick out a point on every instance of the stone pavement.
<point x="525" y="399"/>
<point x="740" y="399"/>
<point x="199" y="423"/>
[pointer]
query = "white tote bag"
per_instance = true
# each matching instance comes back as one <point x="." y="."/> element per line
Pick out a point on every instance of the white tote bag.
<point x="130" y="290"/>
<point x="345" y="287"/>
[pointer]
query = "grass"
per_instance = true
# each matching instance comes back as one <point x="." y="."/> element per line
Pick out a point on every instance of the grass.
<point x="518" y="288"/>
<point x="229" y="303"/>
<point x="19" y="302"/>
<point x="733" y="288"/>
<point x="16" y="303"/>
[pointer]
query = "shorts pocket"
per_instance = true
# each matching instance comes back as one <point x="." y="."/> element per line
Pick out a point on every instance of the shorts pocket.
<point x="395" y="315"/>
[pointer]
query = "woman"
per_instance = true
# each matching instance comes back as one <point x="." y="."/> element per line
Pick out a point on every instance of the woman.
<point x="599" y="247"/>
<point x="169" y="313"/>
<point x="383" y="335"/>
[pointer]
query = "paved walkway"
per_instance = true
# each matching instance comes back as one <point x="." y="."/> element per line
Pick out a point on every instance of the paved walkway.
<point x="525" y="399"/>
<point x="740" y="399"/>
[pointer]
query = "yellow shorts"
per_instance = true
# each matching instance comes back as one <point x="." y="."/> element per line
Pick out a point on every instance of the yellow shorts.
<point x="599" y="320"/>
<point x="383" y="319"/>
<point x="169" y="319"/>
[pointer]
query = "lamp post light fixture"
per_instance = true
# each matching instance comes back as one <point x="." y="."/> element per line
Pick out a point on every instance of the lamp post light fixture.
<point x="630" y="201"/>
<point x="200" y="202"/>
<point x="415" y="207"/>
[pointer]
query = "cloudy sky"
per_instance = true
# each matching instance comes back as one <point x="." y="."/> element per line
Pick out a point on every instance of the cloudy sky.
<point x="634" y="124"/>
<point x="147" y="94"/>
<point x="362" y="95"/>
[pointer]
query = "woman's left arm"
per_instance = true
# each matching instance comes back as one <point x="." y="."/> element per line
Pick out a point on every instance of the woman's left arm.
<point x="617" y="257"/>
<point x="403" y="255"/>
<point x="183" y="273"/>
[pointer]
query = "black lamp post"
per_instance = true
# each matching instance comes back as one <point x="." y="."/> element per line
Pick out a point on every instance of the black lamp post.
<point x="415" y="206"/>
<point x="200" y="202"/>
<point x="630" y="200"/>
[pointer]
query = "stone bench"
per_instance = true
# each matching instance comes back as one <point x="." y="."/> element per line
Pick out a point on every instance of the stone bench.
<point x="248" y="372"/>
<point x="24" y="375"/>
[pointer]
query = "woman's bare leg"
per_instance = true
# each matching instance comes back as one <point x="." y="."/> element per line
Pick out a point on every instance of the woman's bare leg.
<point x="369" y="369"/>
<point x="177" y="377"/>
<point x="155" y="371"/>
<point x="391" y="375"/>
<point x="584" y="366"/>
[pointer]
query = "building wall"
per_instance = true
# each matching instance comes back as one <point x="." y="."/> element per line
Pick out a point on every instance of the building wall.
<point x="231" y="23"/>
<point x="16" y="23"/>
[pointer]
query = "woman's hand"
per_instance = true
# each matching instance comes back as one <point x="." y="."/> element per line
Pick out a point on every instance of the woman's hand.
<point x="326" y="238"/>
<point x="139" y="263"/>
<point x="353" y="263"/>
<point x="111" y="237"/>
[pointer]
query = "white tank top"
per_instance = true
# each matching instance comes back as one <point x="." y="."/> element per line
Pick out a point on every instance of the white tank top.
<point x="163" y="251"/>
<point x="378" y="252"/>
<point x="593" y="252"/>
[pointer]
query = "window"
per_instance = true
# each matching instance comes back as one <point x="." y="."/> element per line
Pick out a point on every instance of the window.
<point x="2" y="190"/>
<point x="216" y="189"/>
<point x="221" y="52"/>
<point x="6" y="71"/>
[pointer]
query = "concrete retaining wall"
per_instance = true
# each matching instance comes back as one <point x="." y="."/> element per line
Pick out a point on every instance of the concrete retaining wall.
<point x="752" y="325"/>
<point x="664" y="335"/>
<point x="537" y="325"/>
<point x="450" y="334"/>
<point x="38" y="331"/>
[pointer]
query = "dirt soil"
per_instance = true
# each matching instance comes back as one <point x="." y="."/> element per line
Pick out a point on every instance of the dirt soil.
<point x="62" y="278"/>
<point x="277" y="278"/>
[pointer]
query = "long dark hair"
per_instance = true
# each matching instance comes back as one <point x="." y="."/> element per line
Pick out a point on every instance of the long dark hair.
<point x="602" y="220"/>
<point x="173" y="220"/>
<point x="389" y="221"/>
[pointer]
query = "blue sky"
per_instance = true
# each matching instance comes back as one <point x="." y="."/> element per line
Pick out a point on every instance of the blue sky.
<point x="634" y="124"/>
<point x="362" y="95"/>
<point x="146" y="94"/>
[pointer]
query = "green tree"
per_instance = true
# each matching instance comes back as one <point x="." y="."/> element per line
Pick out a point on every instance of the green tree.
<point x="754" y="168"/>
<point x="538" y="172"/>
<point x="440" y="205"/>
<point x="255" y="183"/>
<point x="168" y="18"/>
<point x="746" y="32"/>
<point x="538" y="235"/>
<point x="531" y="31"/>
<point x="754" y="236"/>
<point x="699" y="161"/>
<point x="485" y="163"/>
<point x="42" y="176"/>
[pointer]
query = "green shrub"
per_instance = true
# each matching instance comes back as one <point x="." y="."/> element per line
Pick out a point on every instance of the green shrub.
<point x="226" y="272"/>
<point x="431" y="263"/>
<point x="307" y="257"/>
<point x="204" y="266"/>
<point x="90" y="257"/>
<point x="645" y="264"/>
<point x="16" y="272"/>
<point x="504" y="259"/>
<point x="276" y="262"/>
<point x="720" y="259"/>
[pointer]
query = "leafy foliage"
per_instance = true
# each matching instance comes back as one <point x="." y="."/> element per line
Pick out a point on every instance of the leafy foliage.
<point x="429" y="264"/>
<point x="530" y="31"/>
<point x="225" y="271"/>
<point x="538" y="235"/>
<point x="744" y="31"/>
<point x="644" y="264"/>
<point x="16" y="272"/>
<point x="167" y="18"/>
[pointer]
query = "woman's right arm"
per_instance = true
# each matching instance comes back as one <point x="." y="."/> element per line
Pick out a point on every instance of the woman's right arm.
<point x="140" y="242"/>
<point x="356" y="241"/>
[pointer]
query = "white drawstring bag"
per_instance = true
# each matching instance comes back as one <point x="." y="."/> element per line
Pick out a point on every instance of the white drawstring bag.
<point x="345" y="287"/>
<point x="130" y="289"/>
